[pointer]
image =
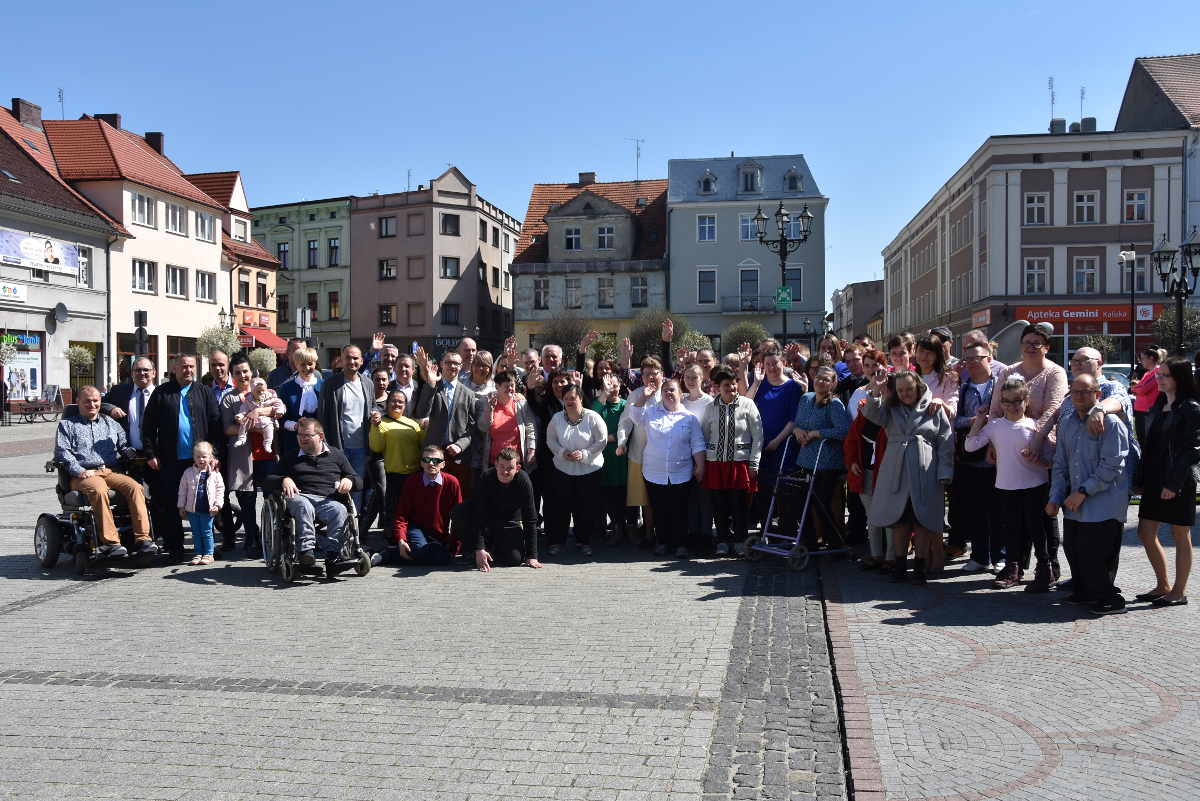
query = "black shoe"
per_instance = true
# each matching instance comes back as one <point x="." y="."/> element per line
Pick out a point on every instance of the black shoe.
<point x="899" y="574"/>
<point x="228" y="545"/>
<point x="1150" y="597"/>
<point x="176" y="558"/>
<point x="1108" y="607"/>
<point x="918" y="572"/>
<point x="1077" y="599"/>
<point x="307" y="559"/>
<point x="868" y="566"/>
<point x="1164" y="602"/>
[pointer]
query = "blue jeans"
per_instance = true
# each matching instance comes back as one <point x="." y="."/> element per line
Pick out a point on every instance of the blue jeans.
<point x="358" y="460"/>
<point x="425" y="550"/>
<point x="305" y="509"/>
<point x="202" y="532"/>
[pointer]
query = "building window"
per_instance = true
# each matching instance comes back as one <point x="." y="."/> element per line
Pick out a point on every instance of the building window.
<point x="1137" y="154"/>
<point x="449" y="314"/>
<point x="749" y="282"/>
<point x="750" y="181"/>
<point x="283" y="220"/>
<point x="205" y="229"/>
<point x="206" y="286"/>
<point x="244" y="288"/>
<point x="541" y="293"/>
<point x="604" y="237"/>
<point x="85" y="267"/>
<point x="449" y="267"/>
<point x="606" y="293"/>
<point x="506" y="286"/>
<point x="387" y="268"/>
<point x="416" y="314"/>
<point x="1085" y="207"/>
<point x="792" y="279"/>
<point x="746" y="229"/>
<point x="176" y="282"/>
<point x="706" y="185"/>
<point x="793" y="183"/>
<point x="496" y="319"/>
<point x="239" y="230"/>
<point x="496" y="277"/>
<point x="314" y="253"/>
<point x="495" y="237"/>
<point x="573" y="238"/>
<point x="450" y="224"/>
<point x="416" y="224"/>
<point x="143" y="276"/>
<point x="333" y="214"/>
<point x="706" y="286"/>
<point x="177" y="219"/>
<point x="180" y="345"/>
<point x="793" y="230"/>
<point x="573" y="293"/>
<point x="335" y="250"/>
<point x="1135" y="205"/>
<point x="507" y="244"/>
<point x="1036" y="281"/>
<point x="1037" y="158"/>
<point x="639" y="291"/>
<point x="387" y="314"/>
<point x="141" y="209"/>
<point x="312" y="217"/>
<point x="507" y="323"/>
<point x="1035" y="209"/>
<point x="483" y="230"/>
<point x="387" y="226"/>
<point x="285" y="308"/>
<point x="482" y="318"/>
<point x="261" y="291"/>
<point x="281" y="252"/>
<point x="482" y="273"/>
<point x="416" y="267"/>
<point x="335" y="309"/>
<point x="1085" y="276"/>
<point x="1141" y="276"/>
<point x="312" y="306"/>
<point x="706" y="229"/>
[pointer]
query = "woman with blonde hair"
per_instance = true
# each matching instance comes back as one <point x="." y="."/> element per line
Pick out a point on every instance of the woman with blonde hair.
<point x="301" y="395"/>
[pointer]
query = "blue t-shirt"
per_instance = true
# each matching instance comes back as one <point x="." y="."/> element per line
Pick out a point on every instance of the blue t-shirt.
<point x="183" y="449"/>
<point x="777" y="406"/>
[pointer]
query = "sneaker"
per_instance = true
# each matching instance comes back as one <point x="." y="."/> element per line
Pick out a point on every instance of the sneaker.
<point x="1108" y="607"/>
<point x="723" y="549"/>
<point x="145" y="547"/>
<point x="1009" y="577"/>
<point x="739" y="550"/>
<point x="376" y="559"/>
<point x="556" y="550"/>
<point x="681" y="553"/>
<point x="207" y="559"/>
<point x="998" y="568"/>
<point x="587" y="550"/>
<point x="1064" y="584"/>
<point x="110" y="551"/>
<point x="660" y="550"/>
<point x="196" y="560"/>
<point x="1078" y="600"/>
<point x="307" y="559"/>
<point x="973" y="567"/>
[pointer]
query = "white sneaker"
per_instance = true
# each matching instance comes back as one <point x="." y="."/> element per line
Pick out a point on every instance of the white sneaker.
<point x="740" y="550"/>
<point x="972" y="567"/>
<point x="723" y="549"/>
<point x="660" y="549"/>
<point x="376" y="558"/>
<point x="998" y="568"/>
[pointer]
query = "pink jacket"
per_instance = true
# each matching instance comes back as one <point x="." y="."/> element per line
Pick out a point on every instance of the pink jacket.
<point x="191" y="482"/>
<point x="1145" y="392"/>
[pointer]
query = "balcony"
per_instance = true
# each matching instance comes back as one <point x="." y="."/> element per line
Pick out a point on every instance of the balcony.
<point x="748" y="304"/>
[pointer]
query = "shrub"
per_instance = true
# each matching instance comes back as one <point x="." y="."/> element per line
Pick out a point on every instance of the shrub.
<point x="565" y="328"/>
<point x="745" y="331"/>
<point x="1163" y="329"/>
<point x="1105" y="343"/>
<point x="262" y="360"/>
<point x="605" y="347"/>
<point x="645" y="334"/>
<point x="217" y="337"/>
<point x="78" y="355"/>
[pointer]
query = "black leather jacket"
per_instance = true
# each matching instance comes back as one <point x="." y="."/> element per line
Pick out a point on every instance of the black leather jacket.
<point x="1179" y="450"/>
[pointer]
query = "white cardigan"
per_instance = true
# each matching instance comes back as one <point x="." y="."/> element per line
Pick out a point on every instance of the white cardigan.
<point x="589" y="436"/>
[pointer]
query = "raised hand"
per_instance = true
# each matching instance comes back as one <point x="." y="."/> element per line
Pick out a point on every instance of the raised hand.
<point x="576" y="378"/>
<point x="588" y="339"/>
<point x="492" y="399"/>
<point x="681" y="355"/>
<point x="792" y="351"/>
<point x="745" y="352"/>
<point x="626" y="352"/>
<point x="980" y="419"/>
<point x="758" y="371"/>
<point x="510" y="349"/>
<point x="377" y="341"/>
<point x="668" y="330"/>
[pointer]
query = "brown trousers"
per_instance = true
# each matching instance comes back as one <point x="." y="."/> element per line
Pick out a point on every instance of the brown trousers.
<point x="96" y="489"/>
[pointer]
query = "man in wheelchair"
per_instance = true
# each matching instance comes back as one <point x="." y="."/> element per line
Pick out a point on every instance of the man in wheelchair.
<point x="90" y="445"/>
<point x="310" y="479"/>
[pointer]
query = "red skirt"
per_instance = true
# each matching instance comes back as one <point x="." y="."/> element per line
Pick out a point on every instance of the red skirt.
<point x="726" y="475"/>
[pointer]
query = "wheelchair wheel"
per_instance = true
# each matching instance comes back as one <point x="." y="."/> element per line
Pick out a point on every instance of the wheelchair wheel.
<point x="47" y="541"/>
<point x="81" y="557"/>
<point x="269" y="533"/>
<point x="287" y="569"/>
<point x="748" y="548"/>
<point x="364" y="563"/>
<point x="145" y="560"/>
<point x="219" y="522"/>
<point x="798" y="558"/>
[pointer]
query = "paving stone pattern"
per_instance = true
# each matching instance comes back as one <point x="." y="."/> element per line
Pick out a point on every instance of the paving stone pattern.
<point x="957" y="691"/>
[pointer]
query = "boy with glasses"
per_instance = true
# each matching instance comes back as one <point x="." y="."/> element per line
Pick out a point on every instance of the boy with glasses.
<point x="421" y="528"/>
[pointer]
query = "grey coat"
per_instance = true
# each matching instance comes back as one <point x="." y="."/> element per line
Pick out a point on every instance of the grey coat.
<point x="329" y="412"/>
<point x="458" y="424"/>
<point x="920" y="452"/>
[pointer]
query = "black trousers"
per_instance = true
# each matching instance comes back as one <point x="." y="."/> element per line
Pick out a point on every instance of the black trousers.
<point x="1093" y="551"/>
<point x="1024" y="520"/>
<point x="1053" y="540"/>
<point x="374" y="494"/>
<point x="976" y="490"/>
<point x="508" y="537"/>
<point x="170" y="471"/>
<point x="826" y="485"/>
<point x="576" y="497"/>
<point x="857" y="524"/>
<point x="669" y="502"/>
<point x="730" y="503"/>
<point x="613" y="510"/>
<point x="393" y="483"/>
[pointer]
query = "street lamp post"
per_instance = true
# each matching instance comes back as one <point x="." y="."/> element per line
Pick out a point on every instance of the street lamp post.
<point x="1130" y="257"/>
<point x="1176" y="283"/>
<point x="783" y="245"/>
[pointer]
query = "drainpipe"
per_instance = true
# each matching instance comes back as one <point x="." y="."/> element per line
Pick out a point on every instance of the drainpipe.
<point x="667" y="259"/>
<point x="108" y="335"/>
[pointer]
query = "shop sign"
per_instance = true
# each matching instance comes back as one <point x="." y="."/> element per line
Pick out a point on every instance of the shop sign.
<point x="447" y="343"/>
<point x="248" y="318"/>
<point x="245" y="341"/>
<point x="14" y="292"/>
<point x="21" y="375"/>
<point x="264" y="320"/>
<point x="32" y="340"/>
<point x="1095" y="313"/>
<point x="981" y="318"/>
<point x="38" y="253"/>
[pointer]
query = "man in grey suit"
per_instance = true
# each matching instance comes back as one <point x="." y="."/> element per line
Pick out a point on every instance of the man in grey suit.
<point x="344" y="411"/>
<point x="450" y="407"/>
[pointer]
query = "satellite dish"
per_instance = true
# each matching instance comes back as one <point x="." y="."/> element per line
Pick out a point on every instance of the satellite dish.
<point x="61" y="314"/>
<point x="51" y="325"/>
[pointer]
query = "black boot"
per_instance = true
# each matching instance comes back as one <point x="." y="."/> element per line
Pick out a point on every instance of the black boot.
<point x="918" y="576"/>
<point x="899" y="572"/>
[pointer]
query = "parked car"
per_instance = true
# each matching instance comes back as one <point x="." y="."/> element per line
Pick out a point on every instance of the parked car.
<point x="1117" y="372"/>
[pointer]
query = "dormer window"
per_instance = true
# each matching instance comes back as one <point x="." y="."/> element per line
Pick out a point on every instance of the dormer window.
<point x="706" y="186"/>
<point x="708" y="183"/>
<point x="793" y="181"/>
<point x="749" y="178"/>
<point x="749" y="182"/>
<point x="573" y="238"/>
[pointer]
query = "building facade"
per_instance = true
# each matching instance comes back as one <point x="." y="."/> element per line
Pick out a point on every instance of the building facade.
<point x="430" y="267"/>
<point x="311" y="242"/>
<point x="1031" y="227"/>
<point x="719" y="272"/>
<point x="597" y="248"/>
<point x="854" y="305"/>
<point x="53" y="248"/>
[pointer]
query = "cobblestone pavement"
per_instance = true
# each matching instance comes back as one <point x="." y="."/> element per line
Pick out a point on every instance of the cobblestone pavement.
<point x="957" y="691"/>
<point x="625" y="678"/>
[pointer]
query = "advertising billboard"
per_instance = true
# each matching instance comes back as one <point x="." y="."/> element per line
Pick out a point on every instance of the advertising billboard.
<point x="38" y="253"/>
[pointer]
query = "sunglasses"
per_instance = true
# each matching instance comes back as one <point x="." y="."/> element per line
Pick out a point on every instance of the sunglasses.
<point x="431" y="460"/>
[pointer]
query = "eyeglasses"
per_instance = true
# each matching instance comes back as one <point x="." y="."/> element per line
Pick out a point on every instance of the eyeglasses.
<point x="1006" y="402"/>
<point x="306" y="436"/>
<point x="1082" y="393"/>
<point x="450" y="363"/>
<point x="1031" y="345"/>
<point x="431" y="460"/>
<point x="973" y="359"/>
<point x="143" y="370"/>
<point x="1084" y="360"/>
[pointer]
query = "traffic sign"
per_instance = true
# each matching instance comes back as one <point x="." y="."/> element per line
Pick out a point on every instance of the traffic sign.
<point x="783" y="298"/>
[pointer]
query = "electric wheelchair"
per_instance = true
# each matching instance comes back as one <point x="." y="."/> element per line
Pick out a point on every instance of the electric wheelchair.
<point x="74" y="530"/>
<point x="279" y="541"/>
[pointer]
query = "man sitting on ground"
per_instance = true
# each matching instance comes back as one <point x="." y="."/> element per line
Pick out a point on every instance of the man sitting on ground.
<point x="421" y="528"/>
<point x="503" y="506"/>
<point x="89" y="445"/>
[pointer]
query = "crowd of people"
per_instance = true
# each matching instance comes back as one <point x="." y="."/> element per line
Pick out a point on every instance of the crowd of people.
<point x="467" y="457"/>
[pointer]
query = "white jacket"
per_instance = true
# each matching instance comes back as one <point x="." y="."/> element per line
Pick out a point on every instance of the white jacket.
<point x="747" y="434"/>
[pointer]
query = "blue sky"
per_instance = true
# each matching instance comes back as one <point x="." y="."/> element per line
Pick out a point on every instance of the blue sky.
<point x="885" y="100"/>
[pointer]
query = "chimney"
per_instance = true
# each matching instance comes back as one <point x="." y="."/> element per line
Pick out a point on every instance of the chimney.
<point x="1074" y="127"/>
<point x="155" y="140"/>
<point x="28" y="114"/>
<point x="1088" y="125"/>
<point x="587" y="177"/>
<point x="112" y="119"/>
<point x="1058" y="125"/>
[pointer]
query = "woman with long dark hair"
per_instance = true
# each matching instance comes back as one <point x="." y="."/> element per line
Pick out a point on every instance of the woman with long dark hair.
<point x="1145" y="391"/>
<point x="1166" y="478"/>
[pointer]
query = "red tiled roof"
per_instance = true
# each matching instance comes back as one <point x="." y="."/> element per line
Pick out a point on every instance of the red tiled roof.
<point x="649" y="219"/>
<point x="92" y="150"/>
<point x="217" y="185"/>
<point x="1179" y="79"/>
<point x="247" y="251"/>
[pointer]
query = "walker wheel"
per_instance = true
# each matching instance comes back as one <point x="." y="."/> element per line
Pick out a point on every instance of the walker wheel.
<point x="748" y="548"/>
<point x="364" y="563"/>
<point x="798" y="558"/>
<point x="81" y="560"/>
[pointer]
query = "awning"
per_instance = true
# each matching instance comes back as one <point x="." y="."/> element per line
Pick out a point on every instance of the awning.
<point x="266" y="338"/>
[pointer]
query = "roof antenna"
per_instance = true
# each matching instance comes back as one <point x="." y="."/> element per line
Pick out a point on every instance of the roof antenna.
<point x="61" y="104"/>
<point x="637" y="172"/>
<point x="1052" y="97"/>
<point x="1082" y="90"/>
<point x="409" y="187"/>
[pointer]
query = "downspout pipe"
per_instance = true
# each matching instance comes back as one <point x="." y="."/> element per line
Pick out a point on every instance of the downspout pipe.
<point x="108" y="334"/>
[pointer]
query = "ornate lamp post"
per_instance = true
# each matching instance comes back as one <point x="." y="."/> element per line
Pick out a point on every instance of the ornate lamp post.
<point x="1176" y="282"/>
<point x="783" y="245"/>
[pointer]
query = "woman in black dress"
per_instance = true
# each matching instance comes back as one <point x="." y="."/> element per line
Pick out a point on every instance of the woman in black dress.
<point x="1166" y="478"/>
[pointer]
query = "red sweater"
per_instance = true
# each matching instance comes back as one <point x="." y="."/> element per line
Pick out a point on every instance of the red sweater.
<point x="428" y="508"/>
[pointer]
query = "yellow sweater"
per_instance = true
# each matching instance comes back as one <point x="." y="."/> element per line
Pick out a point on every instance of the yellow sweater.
<point x="400" y="443"/>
